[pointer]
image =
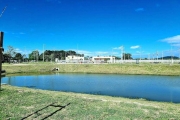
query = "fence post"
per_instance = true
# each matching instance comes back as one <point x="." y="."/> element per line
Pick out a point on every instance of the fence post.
<point x="1" y="48"/>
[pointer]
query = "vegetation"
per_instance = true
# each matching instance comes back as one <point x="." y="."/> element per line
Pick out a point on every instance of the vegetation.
<point x="17" y="103"/>
<point x="47" y="67"/>
<point x="127" y="56"/>
<point x="49" y="55"/>
<point x="10" y="52"/>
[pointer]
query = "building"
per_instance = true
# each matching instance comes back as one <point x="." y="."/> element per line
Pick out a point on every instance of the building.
<point x="74" y="59"/>
<point x="103" y="59"/>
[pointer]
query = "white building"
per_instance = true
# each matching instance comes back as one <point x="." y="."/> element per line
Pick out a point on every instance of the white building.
<point x="103" y="59"/>
<point x="73" y="58"/>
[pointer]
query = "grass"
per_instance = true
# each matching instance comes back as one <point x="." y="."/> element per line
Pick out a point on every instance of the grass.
<point x="145" y="69"/>
<point x="16" y="103"/>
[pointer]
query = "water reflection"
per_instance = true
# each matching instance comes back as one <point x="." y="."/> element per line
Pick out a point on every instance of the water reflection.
<point x="159" y="88"/>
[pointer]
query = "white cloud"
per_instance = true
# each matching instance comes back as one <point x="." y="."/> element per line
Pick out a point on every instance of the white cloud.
<point x="115" y="53"/>
<point x="95" y="53"/>
<point x="174" y="41"/>
<point x="119" y="48"/>
<point x="18" y="33"/>
<point x="140" y="52"/>
<point x="86" y="53"/>
<point x="176" y="45"/>
<point x="18" y="50"/>
<point x="135" y="47"/>
<point x="139" y="9"/>
<point x="101" y="53"/>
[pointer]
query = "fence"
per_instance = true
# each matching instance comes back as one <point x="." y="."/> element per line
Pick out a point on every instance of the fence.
<point x="119" y="61"/>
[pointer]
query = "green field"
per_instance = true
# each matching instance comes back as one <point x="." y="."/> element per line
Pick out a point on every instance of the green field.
<point x="44" y="68"/>
<point x="17" y="103"/>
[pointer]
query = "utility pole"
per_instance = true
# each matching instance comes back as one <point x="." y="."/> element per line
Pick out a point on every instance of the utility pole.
<point x="43" y="52"/>
<point x="171" y="55"/>
<point x="37" y="55"/>
<point x="1" y="49"/>
<point x="1" y="54"/>
<point x="140" y="53"/>
<point x="162" y="56"/>
<point x="157" y="55"/>
<point x="122" y="49"/>
<point x="148" y="56"/>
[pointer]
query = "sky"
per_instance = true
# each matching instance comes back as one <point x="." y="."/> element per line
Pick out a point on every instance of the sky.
<point x="92" y="27"/>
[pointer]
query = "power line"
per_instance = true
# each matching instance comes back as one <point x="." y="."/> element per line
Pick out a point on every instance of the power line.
<point x="3" y="11"/>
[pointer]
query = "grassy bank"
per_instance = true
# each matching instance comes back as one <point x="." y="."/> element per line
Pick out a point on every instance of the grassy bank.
<point x="16" y="103"/>
<point x="147" y="69"/>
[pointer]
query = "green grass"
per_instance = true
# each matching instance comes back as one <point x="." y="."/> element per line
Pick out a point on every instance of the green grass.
<point x="16" y="103"/>
<point x="44" y="68"/>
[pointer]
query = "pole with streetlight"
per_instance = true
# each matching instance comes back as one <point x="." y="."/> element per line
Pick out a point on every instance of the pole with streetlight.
<point x="162" y="56"/>
<point x="172" y="55"/>
<point x="157" y="55"/>
<point x="148" y="56"/>
<point x="122" y="49"/>
<point x="140" y="52"/>
<point x="43" y="52"/>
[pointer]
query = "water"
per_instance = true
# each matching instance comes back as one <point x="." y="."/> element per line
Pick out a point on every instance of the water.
<point x="157" y="88"/>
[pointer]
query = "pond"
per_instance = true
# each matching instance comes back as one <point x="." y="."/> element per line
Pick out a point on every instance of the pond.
<point x="156" y="88"/>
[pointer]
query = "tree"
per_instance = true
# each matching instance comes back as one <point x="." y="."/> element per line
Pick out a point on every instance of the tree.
<point x="10" y="52"/>
<point x="34" y="55"/>
<point x="41" y="57"/>
<point x="52" y="56"/>
<point x="127" y="56"/>
<point x="18" y="57"/>
<point x="25" y="59"/>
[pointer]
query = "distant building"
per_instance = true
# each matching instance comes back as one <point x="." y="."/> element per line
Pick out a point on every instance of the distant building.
<point x="74" y="58"/>
<point x="103" y="59"/>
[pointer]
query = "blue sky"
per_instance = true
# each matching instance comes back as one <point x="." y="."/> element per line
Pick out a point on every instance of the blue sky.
<point x="92" y="27"/>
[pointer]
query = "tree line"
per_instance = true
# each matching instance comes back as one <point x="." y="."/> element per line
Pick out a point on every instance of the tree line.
<point x="11" y="55"/>
<point x="47" y="55"/>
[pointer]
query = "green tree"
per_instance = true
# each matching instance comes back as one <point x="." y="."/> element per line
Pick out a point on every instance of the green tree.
<point x="10" y="52"/>
<point x="34" y="55"/>
<point x="127" y="56"/>
<point x="41" y="57"/>
<point x="52" y="56"/>
<point x="18" y="57"/>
